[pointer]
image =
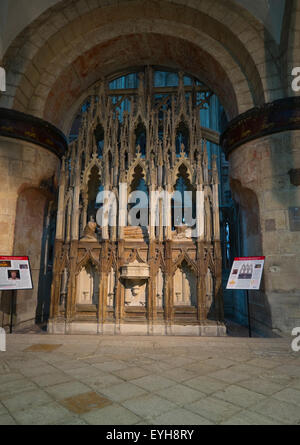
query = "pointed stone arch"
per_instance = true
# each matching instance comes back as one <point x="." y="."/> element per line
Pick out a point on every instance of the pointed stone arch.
<point x="88" y="257"/>
<point x="98" y="132"/>
<point x="184" y="257"/>
<point x="87" y="284"/>
<point x="136" y="163"/>
<point x="95" y="162"/>
<point x="176" y="172"/>
<point x="185" y="285"/>
<point x="160" y="262"/>
<point x="140" y="126"/>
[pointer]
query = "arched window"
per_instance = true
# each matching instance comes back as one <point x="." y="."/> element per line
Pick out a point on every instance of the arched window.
<point x="99" y="136"/>
<point x="182" y="139"/>
<point x="82" y="162"/>
<point x="140" y="138"/>
<point x="126" y="160"/>
<point x="93" y="190"/>
<point x="183" y="203"/>
<point x="138" y="205"/>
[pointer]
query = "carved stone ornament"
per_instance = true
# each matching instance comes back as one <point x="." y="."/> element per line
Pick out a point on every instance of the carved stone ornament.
<point x="89" y="233"/>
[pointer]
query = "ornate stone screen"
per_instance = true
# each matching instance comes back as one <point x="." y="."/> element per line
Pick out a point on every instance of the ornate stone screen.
<point x="138" y="234"/>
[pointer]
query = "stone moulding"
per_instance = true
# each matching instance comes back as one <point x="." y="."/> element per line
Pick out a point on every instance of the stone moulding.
<point x="205" y="329"/>
<point x="135" y="271"/>
<point x="275" y="117"/>
<point x="23" y="126"/>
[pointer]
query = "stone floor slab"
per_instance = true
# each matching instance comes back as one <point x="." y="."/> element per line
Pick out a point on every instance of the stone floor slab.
<point x="249" y="418"/>
<point x="15" y="387"/>
<point x="122" y="392"/>
<point x="181" y="394"/>
<point x="261" y="386"/>
<point x="32" y="371"/>
<point x="84" y="373"/>
<point x="111" y="366"/>
<point x="153" y="382"/>
<point x="131" y="373"/>
<point x="180" y="416"/>
<point x="206" y="384"/>
<point x="149" y="406"/>
<point x="289" y="395"/>
<point x="66" y="390"/>
<point x="11" y="377"/>
<point x="111" y="415"/>
<point x="51" y="414"/>
<point x="178" y="374"/>
<point x="85" y="403"/>
<point x="230" y="375"/>
<point x="278" y="410"/>
<point x="6" y="420"/>
<point x="52" y="379"/>
<point x="103" y="381"/>
<point x="291" y="370"/>
<point x="26" y="400"/>
<point x="3" y="410"/>
<point x="170" y="373"/>
<point x="221" y="363"/>
<point x="213" y="409"/>
<point x="239" y="396"/>
<point x="263" y="363"/>
<point x="201" y="368"/>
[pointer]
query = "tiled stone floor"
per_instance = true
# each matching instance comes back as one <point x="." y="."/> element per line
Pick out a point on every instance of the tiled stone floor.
<point x="148" y="380"/>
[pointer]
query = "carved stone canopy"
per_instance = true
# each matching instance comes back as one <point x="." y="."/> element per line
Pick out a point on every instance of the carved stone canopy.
<point x="135" y="271"/>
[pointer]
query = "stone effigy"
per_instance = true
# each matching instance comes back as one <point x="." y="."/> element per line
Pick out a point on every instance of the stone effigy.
<point x="89" y="233"/>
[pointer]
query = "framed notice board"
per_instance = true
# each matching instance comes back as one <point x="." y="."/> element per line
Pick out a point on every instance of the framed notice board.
<point x="246" y="273"/>
<point x="15" y="273"/>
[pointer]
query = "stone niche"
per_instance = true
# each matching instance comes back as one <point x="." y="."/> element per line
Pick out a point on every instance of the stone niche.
<point x="87" y="286"/>
<point x="135" y="276"/>
<point x="185" y="287"/>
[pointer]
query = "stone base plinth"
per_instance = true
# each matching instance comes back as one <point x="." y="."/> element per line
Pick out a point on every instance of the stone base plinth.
<point x="206" y="329"/>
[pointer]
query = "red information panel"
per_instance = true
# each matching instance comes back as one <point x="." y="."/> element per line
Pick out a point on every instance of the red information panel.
<point x="15" y="273"/>
<point x="246" y="273"/>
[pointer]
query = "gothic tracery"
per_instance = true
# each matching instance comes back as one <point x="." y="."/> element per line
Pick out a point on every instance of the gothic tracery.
<point x="160" y="271"/>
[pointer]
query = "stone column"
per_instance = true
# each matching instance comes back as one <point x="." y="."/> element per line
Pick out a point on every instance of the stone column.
<point x="123" y="193"/>
<point x="265" y="180"/>
<point x="61" y="201"/>
<point x="30" y="153"/>
<point x="152" y="211"/>
<point x="76" y="212"/>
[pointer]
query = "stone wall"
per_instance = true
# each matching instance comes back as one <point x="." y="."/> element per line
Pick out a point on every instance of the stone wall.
<point x="25" y="169"/>
<point x="261" y="178"/>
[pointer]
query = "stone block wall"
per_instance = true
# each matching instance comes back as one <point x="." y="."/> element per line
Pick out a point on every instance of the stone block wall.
<point x="262" y="171"/>
<point x="24" y="170"/>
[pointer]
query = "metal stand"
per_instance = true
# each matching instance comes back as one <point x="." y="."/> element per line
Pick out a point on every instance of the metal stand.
<point x="249" y="318"/>
<point x="12" y="305"/>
